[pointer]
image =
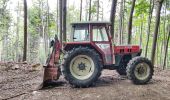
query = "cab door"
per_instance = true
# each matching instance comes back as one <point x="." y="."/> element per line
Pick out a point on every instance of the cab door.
<point x="103" y="43"/>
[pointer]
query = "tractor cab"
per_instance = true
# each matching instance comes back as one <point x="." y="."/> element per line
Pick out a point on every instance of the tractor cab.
<point x="90" y="31"/>
<point x="94" y="35"/>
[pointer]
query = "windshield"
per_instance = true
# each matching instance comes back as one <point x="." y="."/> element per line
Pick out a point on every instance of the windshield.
<point x="99" y="34"/>
<point x="81" y="33"/>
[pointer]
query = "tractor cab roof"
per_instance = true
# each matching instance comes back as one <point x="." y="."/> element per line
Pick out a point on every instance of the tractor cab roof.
<point x="98" y="23"/>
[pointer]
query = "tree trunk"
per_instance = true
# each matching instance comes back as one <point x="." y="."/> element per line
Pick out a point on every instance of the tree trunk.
<point x="166" y="48"/>
<point x="141" y="31"/>
<point x="112" y="17"/>
<point x="164" y="27"/>
<point x="156" y="30"/>
<point x="47" y="31"/>
<point x="64" y="20"/>
<point x="98" y="7"/>
<point x="123" y="20"/>
<point x="61" y="22"/>
<point x="25" y="31"/>
<point x="161" y="51"/>
<point x="87" y="10"/>
<point x="17" y="33"/>
<point x="149" y="25"/>
<point x="102" y="13"/>
<point x="120" y="22"/>
<point x="57" y="20"/>
<point x="90" y="10"/>
<point x="81" y="4"/>
<point x="130" y="22"/>
<point x="157" y="48"/>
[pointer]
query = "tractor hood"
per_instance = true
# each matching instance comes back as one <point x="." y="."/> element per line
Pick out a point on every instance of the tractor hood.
<point x="125" y="49"/>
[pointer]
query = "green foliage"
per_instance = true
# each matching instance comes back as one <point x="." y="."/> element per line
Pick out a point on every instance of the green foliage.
<point x="73" y="16"/>
<point x="34" y="16"/>
<point x="141" y="7"/>
<point x="52" y="25"/>
<point x="93" y="9"/>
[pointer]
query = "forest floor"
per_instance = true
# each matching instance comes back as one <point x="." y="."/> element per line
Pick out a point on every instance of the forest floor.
<point x="21" y="82"/>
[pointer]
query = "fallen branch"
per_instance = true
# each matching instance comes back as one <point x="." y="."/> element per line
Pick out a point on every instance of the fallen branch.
<point x="14" y="96"/>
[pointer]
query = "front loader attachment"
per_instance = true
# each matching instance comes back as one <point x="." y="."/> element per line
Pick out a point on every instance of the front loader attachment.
<point x="52" y="67"/>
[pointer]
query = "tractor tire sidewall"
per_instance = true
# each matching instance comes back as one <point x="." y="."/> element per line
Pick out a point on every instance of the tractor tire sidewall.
<point x="66" y="66"/>
<point x="121" y="69"/>
<point x="131" y="70"/>
<point x="123" y="64"/>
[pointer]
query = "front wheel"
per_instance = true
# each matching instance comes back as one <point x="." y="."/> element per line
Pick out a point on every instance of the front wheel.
<point x="140" y="70"/>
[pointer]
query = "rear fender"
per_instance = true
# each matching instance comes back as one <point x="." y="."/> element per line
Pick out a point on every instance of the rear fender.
<point x="68" y="47"/>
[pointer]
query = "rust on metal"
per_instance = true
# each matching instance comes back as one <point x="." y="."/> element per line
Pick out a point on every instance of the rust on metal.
<point x="52" y="69"/>
<point x="51" y="74"/>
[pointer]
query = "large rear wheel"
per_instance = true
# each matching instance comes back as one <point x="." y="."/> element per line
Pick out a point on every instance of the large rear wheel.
<point x="81" y="67"/>
<point x="140" y="70"/>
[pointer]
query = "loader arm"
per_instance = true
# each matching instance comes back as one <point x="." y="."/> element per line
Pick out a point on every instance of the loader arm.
<point x="55" y="55"/>
<point x="52" y="67"/>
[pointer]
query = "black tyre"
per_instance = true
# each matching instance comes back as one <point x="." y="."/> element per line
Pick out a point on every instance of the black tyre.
<point x="123" y="64"/>
<point x="140" y="70"/>
<point x="121" y="69"/>
<point x="81" y="67"/>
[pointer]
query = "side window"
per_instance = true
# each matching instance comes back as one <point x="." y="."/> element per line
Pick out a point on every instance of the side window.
<point x="81" y="34"/>
<point x="100" y="34"/>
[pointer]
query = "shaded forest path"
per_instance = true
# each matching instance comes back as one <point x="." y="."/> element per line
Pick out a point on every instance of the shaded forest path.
<point x="22" y="84"/>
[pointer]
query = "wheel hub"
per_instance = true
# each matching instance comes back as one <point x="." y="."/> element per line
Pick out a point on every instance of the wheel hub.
<point x="82" y="66"/>
<point x="142" y="71"/>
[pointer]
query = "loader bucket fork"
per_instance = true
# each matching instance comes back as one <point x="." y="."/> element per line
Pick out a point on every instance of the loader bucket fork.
<point x="52" y="67"/>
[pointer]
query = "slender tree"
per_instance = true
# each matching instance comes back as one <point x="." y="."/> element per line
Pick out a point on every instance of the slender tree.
<point x="130" y="22"/>
<point x="164" y="26"/>
<point x="64" y="19"/>
<point x="57" y="18"/>
<point x="89" y="10"/>
<point x="81" y="6"/>
<point x="166" y="48"/>
<point x="17" y="32"/>
<point x="25" y="31"/>
<point x="123" y="20"/>
<point x="120" y="22"/>
<point x="149" y="25"/>
<point x="102" y="10"/>
<point x="46" y="36"/>
<point x="61" y="22"/>
<point x="112" y="16"/>
<point x="159" y="6"/>
<point x="98" y="8"/>
<point x="141" y="31"/>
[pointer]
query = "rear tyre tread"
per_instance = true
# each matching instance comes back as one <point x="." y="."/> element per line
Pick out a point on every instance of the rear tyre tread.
<point x="65" y="68"/>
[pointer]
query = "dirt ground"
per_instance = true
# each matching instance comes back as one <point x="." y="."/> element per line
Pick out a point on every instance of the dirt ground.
<point x="21" y="82"/>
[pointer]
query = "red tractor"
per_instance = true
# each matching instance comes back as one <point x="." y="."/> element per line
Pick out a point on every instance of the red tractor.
<point x="90" y="50"/>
